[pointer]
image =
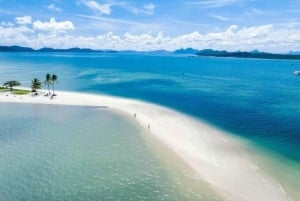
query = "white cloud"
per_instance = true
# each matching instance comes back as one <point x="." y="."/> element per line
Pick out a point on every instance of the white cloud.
<point x="219" y="17"/>
<point x="24" y="20"/>
<point x="292" y="23"/>
<point x="111" y="20"/>
<point x="53" y="8"/>
<point x="53" y="25"/>
<point x="270" y="38"/>
<point x="7" y="24"/>
<point x="148" y="9"/>
<point x="255" y="12"/>
<point x="213" y="3"/>
<point x="20" y="35"/>
<point x="104" y="8"/>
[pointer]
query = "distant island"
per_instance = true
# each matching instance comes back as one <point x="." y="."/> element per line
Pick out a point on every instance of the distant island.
<point x="238" y="54"/>
<point x="45" y="49"/>
<point x="253" y="54"/>
<point x="188" y="51"/>
<point x="16" y="48"/>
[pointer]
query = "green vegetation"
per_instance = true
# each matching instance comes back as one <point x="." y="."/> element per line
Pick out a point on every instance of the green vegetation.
<point x="8" y="86"/>
<point x="53" y="81"/>
<point x="11" y="84"/>
<point x="48" y="82"/>
<point x="3" y="89"/>
<point x="35" y="85"/>
<point x="15" y="91"/>
<point x="20" y="91"/>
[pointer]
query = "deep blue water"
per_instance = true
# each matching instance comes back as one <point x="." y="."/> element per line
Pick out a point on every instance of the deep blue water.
<point x="255" y="99"/>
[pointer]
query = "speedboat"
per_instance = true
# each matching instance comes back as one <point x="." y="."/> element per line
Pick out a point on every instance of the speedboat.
<point x="297" y="72"/>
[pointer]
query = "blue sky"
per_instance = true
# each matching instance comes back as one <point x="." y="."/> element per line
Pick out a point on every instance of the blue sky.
<point x="270" y="25"/>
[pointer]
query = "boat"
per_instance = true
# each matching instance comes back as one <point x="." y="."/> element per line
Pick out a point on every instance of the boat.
<point x="297" y="72"/>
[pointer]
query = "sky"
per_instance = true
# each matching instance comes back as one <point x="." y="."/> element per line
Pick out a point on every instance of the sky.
<point x="265" y="25"/>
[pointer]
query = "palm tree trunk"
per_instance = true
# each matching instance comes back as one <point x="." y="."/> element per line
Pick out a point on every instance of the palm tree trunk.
<point x="53" y="88"/>
<point x="48" y="88"/>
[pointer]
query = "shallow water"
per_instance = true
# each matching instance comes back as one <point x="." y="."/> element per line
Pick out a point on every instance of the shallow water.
<point x="86" y="153"/>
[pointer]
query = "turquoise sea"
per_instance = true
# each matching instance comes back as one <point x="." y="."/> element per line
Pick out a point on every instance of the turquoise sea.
<point x="257" y="100"/>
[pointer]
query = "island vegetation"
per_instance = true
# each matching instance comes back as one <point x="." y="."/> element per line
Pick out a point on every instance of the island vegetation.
<point x="36" y="84"/>
<point x="9" y="87"/>
<point x="12" y="83"/>
<point x="15" y="91"/>
<point x="48" y="82"/>
<point x="53" y="80"/>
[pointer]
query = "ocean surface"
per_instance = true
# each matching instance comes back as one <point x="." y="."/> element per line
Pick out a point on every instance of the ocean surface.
<point x="256" y="100"/>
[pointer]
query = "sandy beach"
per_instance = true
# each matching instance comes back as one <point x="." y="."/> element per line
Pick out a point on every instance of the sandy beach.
<point x="217" y="157"/>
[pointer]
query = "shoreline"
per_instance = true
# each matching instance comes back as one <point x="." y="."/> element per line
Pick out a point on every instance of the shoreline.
<point x="216" y="157"/>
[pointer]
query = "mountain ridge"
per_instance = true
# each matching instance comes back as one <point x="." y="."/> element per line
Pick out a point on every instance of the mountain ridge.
<point x="255" y="54"/>
<point x="16" y="48"/>
<point x="188" y="51"/>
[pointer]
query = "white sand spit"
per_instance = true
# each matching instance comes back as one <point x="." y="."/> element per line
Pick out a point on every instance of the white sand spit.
<point x="216" y="157"/>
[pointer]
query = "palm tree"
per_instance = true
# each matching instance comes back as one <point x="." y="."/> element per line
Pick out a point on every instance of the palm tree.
<point x="53" y="80"/>
<point x="35" y="84"/>
<point x="48" y="82"/>
<point x="11" y="84"/>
